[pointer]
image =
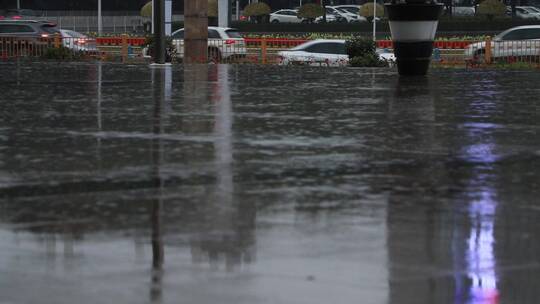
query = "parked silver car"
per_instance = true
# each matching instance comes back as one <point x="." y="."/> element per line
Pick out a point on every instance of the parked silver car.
<point x="223" y="43"/>
<point x="285" y="16"/>
<point x="515" y="42"/>
<point x="525" y="12"/>
<point x="78" y="42"/>
<point x="324" y="52"/>
<point x="345" y="14"/>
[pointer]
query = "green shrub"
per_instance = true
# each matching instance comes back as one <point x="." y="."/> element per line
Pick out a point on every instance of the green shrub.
<point x="212" y="8"/>
<point x="361" y="51"/>
<point x="61" y="53"/>
<point x="367" y="10"/>
<point x="368" y="60"/>
<point x="491" y="9"/>
<point x="146" y="10"/>
<point x="359" y="46"/>
<point x="310" y="11"/>
<point x="257" y="9"/>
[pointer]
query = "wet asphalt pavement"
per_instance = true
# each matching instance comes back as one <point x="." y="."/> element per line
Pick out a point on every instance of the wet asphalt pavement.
<point x="250" y="184"/>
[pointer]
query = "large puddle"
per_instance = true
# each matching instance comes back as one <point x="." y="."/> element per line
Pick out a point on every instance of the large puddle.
<point x="263" y="184"/>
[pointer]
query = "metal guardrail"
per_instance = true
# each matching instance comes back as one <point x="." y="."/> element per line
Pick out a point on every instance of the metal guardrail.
<point x="259" y="50"/>
<point x="56" y="46"/>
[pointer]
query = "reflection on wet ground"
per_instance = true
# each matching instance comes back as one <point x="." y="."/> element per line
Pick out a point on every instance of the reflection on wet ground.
<point x="249" y="184"/>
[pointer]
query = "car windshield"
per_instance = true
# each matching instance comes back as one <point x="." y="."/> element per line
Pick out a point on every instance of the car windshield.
<point x="301" y="47"/>
<point x="533" y="9"/>
<point x="353" y="10"/>
<point x="233" y="34"/>
<point x="49" y="28"/>
<point x="342" y="10"/>
<point x="75" y="34"/>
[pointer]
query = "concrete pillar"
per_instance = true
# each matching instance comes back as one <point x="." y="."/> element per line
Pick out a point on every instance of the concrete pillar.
<point x="195" y="31"/>
<point x="224" y="8"/>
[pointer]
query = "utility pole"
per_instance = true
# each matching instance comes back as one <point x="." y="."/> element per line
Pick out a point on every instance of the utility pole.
<point x="159" y="34"/>
<point x="99" y="18"/>
<point x="168" y="17"/>
<point x="223" y="13"/>
<point x="375" y="20"/>
<point x="237" y="10"/>
<point x="323" y="4"/>
<point x="18" y="4"/>
<point x="196" y="31"/>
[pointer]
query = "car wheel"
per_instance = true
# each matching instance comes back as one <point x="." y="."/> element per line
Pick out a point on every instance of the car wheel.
<point x="214" y="55"/>
<point x="275" y="21"/>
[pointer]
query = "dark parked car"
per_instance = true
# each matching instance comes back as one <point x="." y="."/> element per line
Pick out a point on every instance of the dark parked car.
<point x="27" y="29"/>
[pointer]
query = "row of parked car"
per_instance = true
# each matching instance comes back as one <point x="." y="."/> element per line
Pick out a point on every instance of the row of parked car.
<point x="351" y="14"/>
<point x="522" y="12"/>
<point x="338" y="13"/>
<point x="227" y="43"/>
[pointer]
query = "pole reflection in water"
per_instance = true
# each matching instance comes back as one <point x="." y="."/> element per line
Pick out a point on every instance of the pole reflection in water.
<point x="480" y="252"/>
<point x="162" y="85"/>
<point x="480" y="255"/>
<point x="223" y="132"/>
<point x="226" y="231"/>
<point x="99" y="77"/>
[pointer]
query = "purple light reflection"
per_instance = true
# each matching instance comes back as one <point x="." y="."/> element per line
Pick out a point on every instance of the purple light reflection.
<point x="481" y="261"/>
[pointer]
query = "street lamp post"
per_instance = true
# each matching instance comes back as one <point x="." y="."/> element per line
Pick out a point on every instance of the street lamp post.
<point x="413" y="24"/>
<point x="223" y="12"/>
<point x="159" y="31"/>
<point x="374" y="20"/>
<point x="99" y="19"/>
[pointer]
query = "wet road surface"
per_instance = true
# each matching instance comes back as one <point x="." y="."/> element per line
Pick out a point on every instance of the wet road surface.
<point x="246" y="184"/>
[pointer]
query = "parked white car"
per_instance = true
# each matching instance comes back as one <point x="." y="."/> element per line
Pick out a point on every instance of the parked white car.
<point x="78" y="42"/>
<point x="516" y="42"/>
<point x="348" y="16"/>
<point x="525" y="12"/>
<point x="223" y="43"/>
<point x="353" y="9"/>
<point x="323" y="52"/>
<point x="463" y="11"/>
<point x="330" y="17"/>
<point x="285" y="16"/>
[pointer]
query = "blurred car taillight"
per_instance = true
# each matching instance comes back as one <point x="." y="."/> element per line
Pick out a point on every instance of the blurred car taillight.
<point x="16" y="17"/>
<point x="230" y="41"/>
<point x="243" y="18"/>
<point x="81" y="41"/>
<point x="44" y="35"/>
<point x="2" y="17"/>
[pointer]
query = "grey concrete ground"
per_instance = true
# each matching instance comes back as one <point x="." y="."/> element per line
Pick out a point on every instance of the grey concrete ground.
<point x="251" y="184"/>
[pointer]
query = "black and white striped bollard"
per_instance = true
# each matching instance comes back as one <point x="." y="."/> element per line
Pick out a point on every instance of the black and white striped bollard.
<point x="413" y="25"/>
